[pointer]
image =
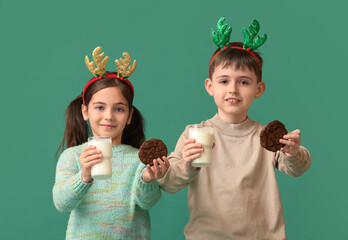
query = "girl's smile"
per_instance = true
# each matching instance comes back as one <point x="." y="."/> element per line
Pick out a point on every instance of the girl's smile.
<point x="108" y="126"/>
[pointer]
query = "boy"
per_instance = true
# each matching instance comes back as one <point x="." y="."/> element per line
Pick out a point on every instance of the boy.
<point x="237" y="197"/>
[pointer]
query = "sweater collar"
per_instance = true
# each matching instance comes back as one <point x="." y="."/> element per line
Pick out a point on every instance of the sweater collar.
<point x="233" y="130"/>
<point x="116" y="148"/>
<point x="120" y="148"/>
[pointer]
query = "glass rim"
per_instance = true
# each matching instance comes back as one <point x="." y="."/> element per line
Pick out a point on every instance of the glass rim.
<point x="99" y="138"/>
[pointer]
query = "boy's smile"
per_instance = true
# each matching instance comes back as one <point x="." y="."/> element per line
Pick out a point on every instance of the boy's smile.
<point x="233" y="100"/>
<point x="234" y="91"/>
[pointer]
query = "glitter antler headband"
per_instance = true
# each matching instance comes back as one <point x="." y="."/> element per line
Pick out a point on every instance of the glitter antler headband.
<point x="99" y="71"/>
<point x="222" y="39"/>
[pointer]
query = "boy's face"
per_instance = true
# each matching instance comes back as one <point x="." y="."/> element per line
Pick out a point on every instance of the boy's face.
<point x="233" y="91"/>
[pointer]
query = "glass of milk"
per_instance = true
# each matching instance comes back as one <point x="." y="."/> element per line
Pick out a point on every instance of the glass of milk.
<point x="102" y="170"/>
<point x="203" y="135"/>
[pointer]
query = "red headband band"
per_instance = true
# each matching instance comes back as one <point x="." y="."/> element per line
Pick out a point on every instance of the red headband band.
<point x="247" y="50"/>
<point x="106" y="76"/>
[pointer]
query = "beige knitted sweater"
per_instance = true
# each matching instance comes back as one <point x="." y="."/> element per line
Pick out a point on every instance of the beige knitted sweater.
<point x="237" y="197"/>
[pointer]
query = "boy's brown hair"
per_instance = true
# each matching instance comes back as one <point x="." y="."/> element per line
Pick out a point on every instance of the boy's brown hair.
<point x="237" y="57"/>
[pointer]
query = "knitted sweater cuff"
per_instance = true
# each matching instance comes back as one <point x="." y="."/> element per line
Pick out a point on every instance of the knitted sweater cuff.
<point x="147" y="186"/>
<point x="79" y="186"/>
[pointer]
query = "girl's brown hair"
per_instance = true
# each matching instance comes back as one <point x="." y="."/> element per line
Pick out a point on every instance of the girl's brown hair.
<point x="238" y="57"/>
<point x="76" y="128"/>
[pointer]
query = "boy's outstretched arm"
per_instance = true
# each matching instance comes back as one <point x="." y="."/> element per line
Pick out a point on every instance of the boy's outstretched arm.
<point x="293" y="159"/>
<point x="181" y="172"/>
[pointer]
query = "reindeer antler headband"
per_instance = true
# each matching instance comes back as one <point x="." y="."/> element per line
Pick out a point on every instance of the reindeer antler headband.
<point x="99" y="71"/>
<point x="251" y="40"/>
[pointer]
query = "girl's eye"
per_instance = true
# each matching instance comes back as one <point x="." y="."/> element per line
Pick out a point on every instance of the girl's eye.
<point x="223" y="81"/>
<point x="99" y="108"/>
<point x="119" y="110"/>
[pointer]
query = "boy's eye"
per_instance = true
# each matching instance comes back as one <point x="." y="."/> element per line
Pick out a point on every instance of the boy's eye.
<point x="243" y="82"/>
<point x="223" y="81"/>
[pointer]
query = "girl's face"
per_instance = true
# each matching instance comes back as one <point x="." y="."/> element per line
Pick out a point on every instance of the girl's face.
<point x="234" y="91"/>
<point x="108" y="113"/>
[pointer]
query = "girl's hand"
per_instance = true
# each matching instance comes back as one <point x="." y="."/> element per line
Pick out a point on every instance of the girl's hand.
<point x="156" y="171"/>
<point x="89" y="157"/>
<point x="292" y="142"/>
<point x="190" y="152"/>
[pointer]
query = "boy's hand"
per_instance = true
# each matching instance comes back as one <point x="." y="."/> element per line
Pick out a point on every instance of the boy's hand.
<point x="156" y="171"/>
<point x="89" y="157"/>
<point x="190" y="152"/>
<point x="292" y="142"/>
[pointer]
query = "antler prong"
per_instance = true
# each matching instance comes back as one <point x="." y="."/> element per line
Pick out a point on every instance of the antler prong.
<point x="249" y="38"/>
<point x="101" y="64"/>
<point x="223" y="34"/>
<point x="90" y="65"/>
<point x="123" y="64"/>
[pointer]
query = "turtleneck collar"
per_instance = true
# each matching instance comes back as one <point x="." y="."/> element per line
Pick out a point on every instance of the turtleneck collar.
<point x="233" y="130"/>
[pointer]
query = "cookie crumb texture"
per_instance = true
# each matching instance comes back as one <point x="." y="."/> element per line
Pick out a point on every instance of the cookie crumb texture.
<point x="271" y="134"/>
<point x="152" y="149"/>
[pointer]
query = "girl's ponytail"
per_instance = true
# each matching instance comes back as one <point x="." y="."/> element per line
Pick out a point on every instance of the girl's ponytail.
<point x="133" y="134"/>
<point x="76" y="128"/>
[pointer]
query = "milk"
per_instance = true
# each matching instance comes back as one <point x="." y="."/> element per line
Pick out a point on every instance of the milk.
<point x="203" y="135"/>
<point x="102" y="170"/>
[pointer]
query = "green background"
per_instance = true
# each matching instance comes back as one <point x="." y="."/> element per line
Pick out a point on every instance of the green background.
<point x="43" y="45"/>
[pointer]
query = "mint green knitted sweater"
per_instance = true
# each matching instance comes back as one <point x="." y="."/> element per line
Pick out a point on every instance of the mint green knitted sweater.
<point x="116" y="208"/>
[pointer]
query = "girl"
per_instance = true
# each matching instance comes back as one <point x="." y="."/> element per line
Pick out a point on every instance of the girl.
<point x="116" y="208"/>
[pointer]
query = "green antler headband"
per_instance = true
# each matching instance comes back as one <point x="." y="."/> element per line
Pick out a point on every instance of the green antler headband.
<point x="222" y="37"/>
<point x="251" y="40"/>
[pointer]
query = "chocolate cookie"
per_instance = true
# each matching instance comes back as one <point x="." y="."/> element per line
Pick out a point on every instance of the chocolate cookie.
<point x="152" y="149"/>
<point x="271" y="134"/>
